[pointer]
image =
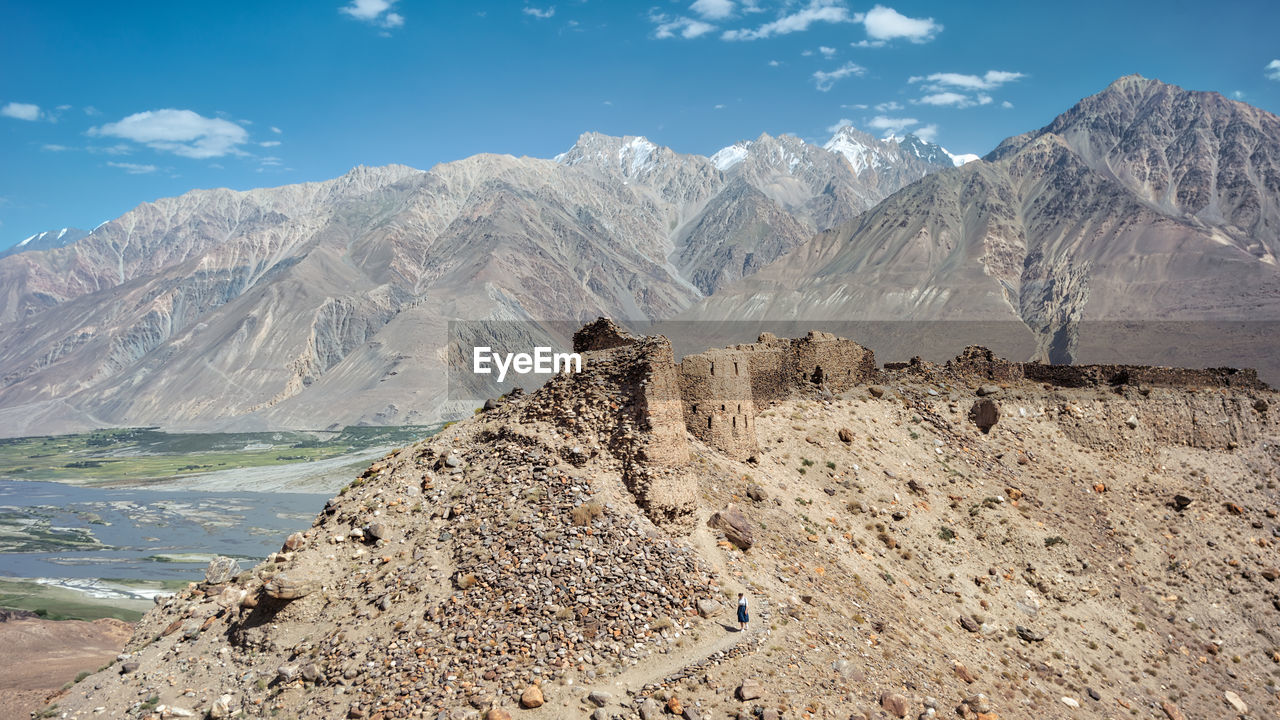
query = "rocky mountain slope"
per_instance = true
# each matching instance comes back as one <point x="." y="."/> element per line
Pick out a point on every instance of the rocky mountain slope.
<point x="322" y="303"/>
<point x="920" y="541"/>
<point x="1143" y="203"/>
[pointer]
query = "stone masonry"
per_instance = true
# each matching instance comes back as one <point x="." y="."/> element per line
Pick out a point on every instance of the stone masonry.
<point x="719" y="392"/>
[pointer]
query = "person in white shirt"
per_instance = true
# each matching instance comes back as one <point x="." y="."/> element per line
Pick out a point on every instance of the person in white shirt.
<point x="742" y="612"/>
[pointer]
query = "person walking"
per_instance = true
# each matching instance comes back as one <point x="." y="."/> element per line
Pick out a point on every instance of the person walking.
<point x="742" y="612"/>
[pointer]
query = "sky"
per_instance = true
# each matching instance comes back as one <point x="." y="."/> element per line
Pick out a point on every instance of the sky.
<point x="107" y="105"/>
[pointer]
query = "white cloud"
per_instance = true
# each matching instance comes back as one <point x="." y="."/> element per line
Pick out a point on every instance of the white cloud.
<point x="54" y="148"/>
<point x="825" y="80"/>
<point x="276" y="130"/>
<point x="884" y="24"/>
<point x="92" y="111"/>
<point x="1237" y="94"/>
<point x="954" y="99"/>
<point x="774" y="63"/>
<point x="827" y="52"/>
<point x="374" y="12"/>
<point x="181" y="132"/>
<point x="841" y="123"/>
<point x="719" y="106"/>
<point x="269" y="143"/>
<point x="952" y="89"/>
<point x="687" y="28"/>
<point x="818" y="11"/>
<point x="1006" y="105"/>
<point x="1273" y="70"/>
<point x="134" y="168"/>
<point x="21" y="111"/>
<point x="713" y="9"/>
<point x="889" y="106"/>
<point x="928" y="133"/>
<point x="540" y="13"/>
<point x="896" y="125"/>
<point x="990" y="81"/>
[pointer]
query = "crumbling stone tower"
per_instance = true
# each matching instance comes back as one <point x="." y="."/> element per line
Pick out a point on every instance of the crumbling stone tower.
<point x="715" y="387"/>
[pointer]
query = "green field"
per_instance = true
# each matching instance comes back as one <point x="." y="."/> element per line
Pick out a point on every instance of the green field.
<point x="58" y="603"/>
<point x="144" y="454"/>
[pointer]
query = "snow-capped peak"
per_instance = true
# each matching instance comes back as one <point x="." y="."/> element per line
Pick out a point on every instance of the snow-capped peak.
<point x="962" y="158"/>
<point x="630" y="155"/>
<point x="24" y="242"/>
<point x="730" y="156"/>
<point x="638" y="149"/>
<point x="850" y="143"/>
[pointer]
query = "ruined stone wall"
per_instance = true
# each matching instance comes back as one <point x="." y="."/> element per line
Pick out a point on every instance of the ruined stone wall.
<point x="715" y="389"/>
<point x="1092" y="375"/>
<point x="628" y="396"/>
<point x="979" y="363"/>
<point x="821" y="358"/>
<point x="601" y="334"/>
<point x="723" y="389"/>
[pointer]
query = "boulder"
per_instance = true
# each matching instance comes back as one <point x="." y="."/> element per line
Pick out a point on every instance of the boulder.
<point x="531" y="697"/>
<point x="734" y="525"/>
<point x="1235" y="702"/>
<point x="650" y="710"/>
<point x="221" y="708"/>
<point x="750" y="689"/>
<point x="1028" y="634"/>
<point x="294" y="542"/>
<point x="984" y="413"/>
<point x="895" y="704"/>
<point x="289" y="586"/>
<point x="221" y="569"/>
<point x="708" y="607"/>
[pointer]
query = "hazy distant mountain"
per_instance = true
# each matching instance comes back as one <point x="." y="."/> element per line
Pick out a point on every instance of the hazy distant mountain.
<point x="1143" y="202"/>
<point x="47" y="240"/>
<point x="305" y="305"/>
<point x="321" y="303"/>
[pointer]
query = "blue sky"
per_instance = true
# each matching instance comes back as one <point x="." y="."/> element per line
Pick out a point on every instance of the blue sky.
<point x="106" y="105"/>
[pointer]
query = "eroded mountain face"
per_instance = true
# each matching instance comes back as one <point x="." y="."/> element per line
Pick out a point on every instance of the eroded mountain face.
<point x="1143" y="202"/>
<point x="327" y="302"/>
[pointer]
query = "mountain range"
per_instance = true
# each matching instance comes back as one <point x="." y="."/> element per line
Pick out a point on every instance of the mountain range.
<point x="326" y="303"/>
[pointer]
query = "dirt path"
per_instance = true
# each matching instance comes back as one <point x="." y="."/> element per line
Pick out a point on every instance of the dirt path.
<point x="716" y="635"/>
<point x="718" y="638"/>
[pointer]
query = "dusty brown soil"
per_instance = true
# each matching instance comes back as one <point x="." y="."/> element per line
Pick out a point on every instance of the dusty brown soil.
<point x="1100" y="553"/>
<point x="38" y="657"/>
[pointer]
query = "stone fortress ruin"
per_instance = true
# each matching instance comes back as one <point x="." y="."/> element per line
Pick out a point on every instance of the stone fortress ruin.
<point x="715" y="395"/>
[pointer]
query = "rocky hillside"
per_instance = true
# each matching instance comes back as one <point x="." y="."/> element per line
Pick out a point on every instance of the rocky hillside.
<point x="934" y="541"/>
<point x="1143" y="203"/>
<point x="321" y="303"/>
